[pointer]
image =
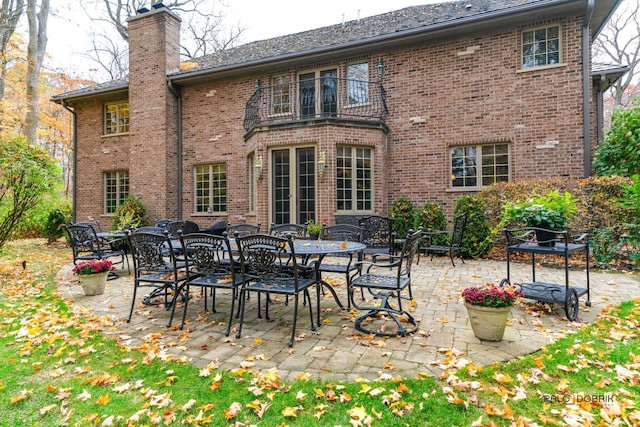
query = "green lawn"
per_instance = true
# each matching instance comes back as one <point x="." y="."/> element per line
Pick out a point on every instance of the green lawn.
<point x="57" y="369"/>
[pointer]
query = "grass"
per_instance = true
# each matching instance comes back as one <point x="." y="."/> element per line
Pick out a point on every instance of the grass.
<point x="57" y="368"/>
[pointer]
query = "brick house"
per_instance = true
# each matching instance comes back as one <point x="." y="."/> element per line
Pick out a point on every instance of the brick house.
<point x="429" y="102"/>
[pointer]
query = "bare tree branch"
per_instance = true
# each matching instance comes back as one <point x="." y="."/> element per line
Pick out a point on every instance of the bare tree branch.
<point x="619" y="42"/>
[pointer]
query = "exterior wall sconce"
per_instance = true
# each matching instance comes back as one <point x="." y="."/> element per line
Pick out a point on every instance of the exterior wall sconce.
<point x="322" y="163"/>
<point x="257" y="167"/>
<point x="380" y="67"/>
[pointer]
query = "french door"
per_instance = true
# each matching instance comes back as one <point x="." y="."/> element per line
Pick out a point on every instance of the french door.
<point x="319" y="93"/>
<point x="293" y="185"/>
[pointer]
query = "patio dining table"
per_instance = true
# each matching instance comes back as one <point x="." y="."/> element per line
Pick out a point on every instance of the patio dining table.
<point x="308" y="249"/>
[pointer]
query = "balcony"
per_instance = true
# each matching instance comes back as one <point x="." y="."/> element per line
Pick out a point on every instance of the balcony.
<point x="315" y="101"/>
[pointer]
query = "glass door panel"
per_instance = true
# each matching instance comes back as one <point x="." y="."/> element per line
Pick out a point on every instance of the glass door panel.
<point x="293" y="182"/>
<point x="329" y="91"/>
<point x="307" y="95"/>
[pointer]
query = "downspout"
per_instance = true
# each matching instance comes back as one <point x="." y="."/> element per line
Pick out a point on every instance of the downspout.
<point x="586" y="80"/>
<point x="600" y="111"/>
<point x="180" y="188"/>
<point x="75" y="160"/>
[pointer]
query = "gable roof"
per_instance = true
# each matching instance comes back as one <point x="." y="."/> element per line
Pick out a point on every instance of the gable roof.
<point x="405" y="26"/>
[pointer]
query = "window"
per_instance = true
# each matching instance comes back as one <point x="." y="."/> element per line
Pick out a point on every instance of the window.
<point x="358" y="86"/>
<point x="479" y="165"/>
<point x="116" y="118"/>
<point x="354" y="178"/>
<point x="318" y="93"/>
<point x="541" y="46"/>
<point x="116" y="189"/>
<point x="280" y="95"/>
<point x="211" y="188"/>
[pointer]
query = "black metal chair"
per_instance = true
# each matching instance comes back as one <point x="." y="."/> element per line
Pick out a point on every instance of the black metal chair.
<point x="241" y="230"/>
<point x="384" y="285"/>
<point x="342" y="263"/>
<point x="454" y="237"/>
<point x="296" y="230"/>
<point x="155" y="266"/>
<point x="377" y="234"/>
<point x="86" y="245"/>
<point x="209" y="266"/>
<point x="269" y="265"/>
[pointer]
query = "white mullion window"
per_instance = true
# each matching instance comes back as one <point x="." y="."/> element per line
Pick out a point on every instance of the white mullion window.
<point x="477" y="166"/>
<point x="116" y="118"/>
<point x="116" y="189"/>
<point x="211" y="188"/>
<point x="281" y="94"/>
<point x="354" y="168"/>
<point x="541" y="47"/>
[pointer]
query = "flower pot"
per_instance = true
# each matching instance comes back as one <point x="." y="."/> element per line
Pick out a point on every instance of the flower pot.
<point x="546" y="237"/>
<point x="93" y="284"/>
<point x="488" y="323"/>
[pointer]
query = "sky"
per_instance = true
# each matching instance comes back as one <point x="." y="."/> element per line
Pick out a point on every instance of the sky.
<point x="70" y="27"/>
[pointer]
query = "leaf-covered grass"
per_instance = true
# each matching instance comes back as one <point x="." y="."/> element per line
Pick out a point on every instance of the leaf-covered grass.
<point x="58" y="368"/>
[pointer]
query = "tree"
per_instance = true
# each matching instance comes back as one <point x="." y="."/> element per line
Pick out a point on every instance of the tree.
<point x="35" y="55"/>
<point x="202" y="30"/>
<point x="620" y="152"/>
<point x="619" y="42"/>
<point x="27" y="173"/>
<point x="9" y="16"/>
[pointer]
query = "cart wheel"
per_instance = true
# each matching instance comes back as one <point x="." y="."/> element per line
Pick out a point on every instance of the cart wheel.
<point x="572" y="304"/>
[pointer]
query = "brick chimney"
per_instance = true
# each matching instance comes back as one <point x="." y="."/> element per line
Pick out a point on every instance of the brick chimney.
<point x="154" y="51"/>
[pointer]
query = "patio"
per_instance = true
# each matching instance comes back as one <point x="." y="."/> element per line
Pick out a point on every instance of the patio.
<point x="336" y="351"/>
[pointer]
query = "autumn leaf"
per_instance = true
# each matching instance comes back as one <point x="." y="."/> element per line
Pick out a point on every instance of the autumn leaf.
<point x="233" y="410"/>
<point x="291" y="411"/>
<point x="103" y="400"/>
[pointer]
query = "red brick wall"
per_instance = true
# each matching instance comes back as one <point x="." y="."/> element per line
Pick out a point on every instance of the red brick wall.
<point x="449" y="92"/>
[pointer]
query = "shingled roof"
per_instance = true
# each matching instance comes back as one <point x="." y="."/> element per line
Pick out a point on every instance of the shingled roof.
<point x="392" y="25"/>
<point x="388" y="24"/>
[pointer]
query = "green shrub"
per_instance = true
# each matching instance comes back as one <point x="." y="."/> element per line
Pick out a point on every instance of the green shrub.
<point x="403" y="214"/>
<point x="132" y="213"/>
<point x="431" y="217"/>
<point x="619" y="154"/>
<point x="53" y="230"/>
<point x="478" y="229"/>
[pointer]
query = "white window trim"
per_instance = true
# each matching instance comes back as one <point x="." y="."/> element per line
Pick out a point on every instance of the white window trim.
<point x="560" y="63"/>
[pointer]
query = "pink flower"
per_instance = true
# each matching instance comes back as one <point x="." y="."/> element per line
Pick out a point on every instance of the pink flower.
<point x="490" y="295"/>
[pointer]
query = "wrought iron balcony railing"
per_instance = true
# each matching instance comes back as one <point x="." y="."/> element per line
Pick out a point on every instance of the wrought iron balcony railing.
<point x="316" y="99"/>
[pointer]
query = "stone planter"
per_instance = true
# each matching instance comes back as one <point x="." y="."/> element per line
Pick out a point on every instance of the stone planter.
<point x="488" y="323"/>
<point x="93" y="284"/>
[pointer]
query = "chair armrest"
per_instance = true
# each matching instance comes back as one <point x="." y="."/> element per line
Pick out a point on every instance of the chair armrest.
<point x="579" y="238"/>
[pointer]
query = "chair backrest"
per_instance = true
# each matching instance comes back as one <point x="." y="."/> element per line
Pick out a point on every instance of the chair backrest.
<point x="457" y="234"/>
<point x="93" y="224"/>
<point x="342" y="232"/>
<point x="409" y="250"/>
<point x="266" y="257"/>
<point x="207" y="254"/>
<point x="296" y="230"/>
<point x="173" y="227"/>
<point x="161" y="223"/>
<point x="242" y="230"/>
<point x="377" y="233"/>
<point x="83" y="239"/>
<point x="152" y="253"/>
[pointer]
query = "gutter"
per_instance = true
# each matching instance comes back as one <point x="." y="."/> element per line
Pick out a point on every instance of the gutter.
<point x="586" y="81"/>
<point x="180" y="187"/>
<point x="75" y="159"/>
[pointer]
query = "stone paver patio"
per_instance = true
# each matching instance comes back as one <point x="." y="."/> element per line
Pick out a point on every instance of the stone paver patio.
<point x="336" y="351"/>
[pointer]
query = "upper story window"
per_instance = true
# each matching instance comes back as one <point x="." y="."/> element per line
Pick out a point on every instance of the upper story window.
<point x="280" y="94"/>
<point x="318" y="92"/>
<point x="475" y="166"/>
<point x="541" y="46"/>
<point x="116" y="189"/>
<point x="358" y="78"/>
<point x="116" y="117"/>
<point x="354" y="168"/>
<point x="211" y="188"/>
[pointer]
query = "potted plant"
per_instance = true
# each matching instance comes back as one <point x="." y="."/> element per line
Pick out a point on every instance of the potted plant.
<point x="313" y="229"/>
<point x="549" y="212"/>
<point x="93" y="275"/>
<point x="488" y="307"/>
